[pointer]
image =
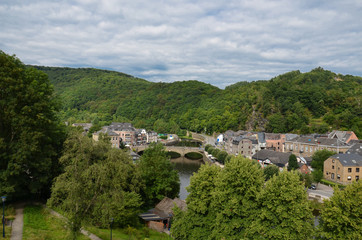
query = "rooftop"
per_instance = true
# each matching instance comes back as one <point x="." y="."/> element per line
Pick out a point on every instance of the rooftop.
<point x="353" y="160"/>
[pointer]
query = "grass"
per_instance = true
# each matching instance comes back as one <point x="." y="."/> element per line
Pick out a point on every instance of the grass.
<point x="7" y="232"/>
<point x="128" y="233"/>
<point x="39" y="224"/>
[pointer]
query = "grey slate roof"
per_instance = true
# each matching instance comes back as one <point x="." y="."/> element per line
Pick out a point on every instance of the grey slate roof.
<point x="277" y="158"/>
<point x="355" y="149"/>
<point x="261" y="137"/>
<point x="353" y="160"/>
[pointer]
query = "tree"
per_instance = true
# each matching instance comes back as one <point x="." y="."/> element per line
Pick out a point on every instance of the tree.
<point x="207" y="147"/>
<point x="317" y="175"/>
<point x="341" y="217"/>
<point x="221" y="156"/>
<point x="160" y="178"/>
<point x="283" y="210"/>
<point x="198" y="220"/>
<point x="98" y="183"/>
<point x="30" y="134"/>
<point x="319" y="157"/>
<point x="234" y="198"/>
<point x="270" y="171"/>
<point x="292" y="163"/>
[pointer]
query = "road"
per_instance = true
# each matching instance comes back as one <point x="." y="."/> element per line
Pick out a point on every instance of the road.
<point x="323" y="191"/>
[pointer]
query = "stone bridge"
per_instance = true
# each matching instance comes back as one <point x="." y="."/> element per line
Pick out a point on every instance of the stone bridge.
<point x="181" y="150"/>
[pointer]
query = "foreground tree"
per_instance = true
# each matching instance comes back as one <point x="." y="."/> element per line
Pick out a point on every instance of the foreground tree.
<point x="283" y="210"/>
<point x="30" y="134"/>
<point x="158" y="174"/>
<point x="341" y="217"/>
<point x="197" y="222"/>
<point x="99" y="183"/>
<point x="234" y="198"/>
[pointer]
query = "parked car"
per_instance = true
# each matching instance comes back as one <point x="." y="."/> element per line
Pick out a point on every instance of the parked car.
<point x="313" y="187"/>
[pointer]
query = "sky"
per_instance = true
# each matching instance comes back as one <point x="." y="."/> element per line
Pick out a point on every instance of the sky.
<point x="213" y="41"/>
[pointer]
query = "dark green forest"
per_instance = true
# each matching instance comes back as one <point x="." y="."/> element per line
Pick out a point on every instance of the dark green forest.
<point x="316" y="101"/>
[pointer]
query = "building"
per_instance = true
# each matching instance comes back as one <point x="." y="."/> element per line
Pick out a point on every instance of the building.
<point x="266" y="157"/>
<point x="306" y="146"/>
<point x="275" y="141"/>
<point x="343" y="168"/>
<point x="159" y="218"/>
<point x="343" y="136"/>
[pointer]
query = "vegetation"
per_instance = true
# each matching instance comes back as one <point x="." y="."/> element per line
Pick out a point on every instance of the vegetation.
<point x="317" y="164"/>
<point x="159" y="176"/>
<point x="341" y="217"/>
<point x="292" y="102"/>
<point x="270" y="171"/>
<point x="30" y="134"/>
<point x="283" y="210"/>
<point x="128" y="233"/>
<point x="98" y="183"/>
<point x="292" y="163"/>
<point x="40" y="224"/>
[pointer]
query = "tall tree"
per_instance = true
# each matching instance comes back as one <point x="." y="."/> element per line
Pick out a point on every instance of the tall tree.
<point x="197" y="222"/>
<point x="98" y="183"/>
<point x="283" y="210"/>
<point x="234" y="198"/>
<point x="270" y="171"/>
<point x="319" y="157"/>
<point x="292" y="163"/>
<point x="341" y="217"/>
<point x="30" y="134"/>
<point x="160" y="178"/>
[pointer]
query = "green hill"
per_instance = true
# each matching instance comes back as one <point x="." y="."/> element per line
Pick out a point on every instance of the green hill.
<point x="315" y="101"/>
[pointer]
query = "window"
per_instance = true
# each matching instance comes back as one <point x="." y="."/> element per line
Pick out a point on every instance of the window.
<point x="311" y="149"/>
<point x="338" y="177"/>
<point x="349" y="169"/>
<point x="332" y="160"/>
<point x="306" y="148"/>
<point x="357" y="178"/>
<point x="349" y="178"/>
<point x="332" y="166"/>
<point x="296" y="147"/>
<point x="357" y="169"/>
<point x="332" y="176"/>
<point x="287" y="146"/>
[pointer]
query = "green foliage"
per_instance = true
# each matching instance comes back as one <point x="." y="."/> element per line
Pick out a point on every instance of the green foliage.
<point x="292" y="163"/>
<point x="283" y="210"/>
<point x="234" y="197"/>
<point x="270" y="171"/>
<point x="207" y="147"/>
<point x="286" y="103"/>
<point x="158" y="174"/>
<point x="30" y="134"/>
<point x="319" y="157"/>
<point x="98" y="183"/>
<point x="341" y="217"/>
<point x="317" y="175"/>
<point x="221" y="156"/>
<point x="197" y="222"/>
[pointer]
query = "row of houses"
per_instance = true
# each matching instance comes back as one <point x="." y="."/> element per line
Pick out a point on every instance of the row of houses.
<point x="248" y="143"/>
<point x="272" y="148"/>
<point x="122" y="133"/>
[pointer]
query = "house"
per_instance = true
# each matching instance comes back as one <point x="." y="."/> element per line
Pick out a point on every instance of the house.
<point x="158" y="218"/>
<point x="266" y="157"/>
<point x="152" y="137"/>
<point x="343" y="136"/>
<point x="303" y="168"/>
<point x="275" y="141"/>
<point x="85" y="126"/>
<point x="356" y="148"/>
<point x="343" y="168"/>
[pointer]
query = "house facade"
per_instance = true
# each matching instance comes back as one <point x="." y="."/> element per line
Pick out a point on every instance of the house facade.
<point x="275" y="141"/>
<point x="343" y="168"/>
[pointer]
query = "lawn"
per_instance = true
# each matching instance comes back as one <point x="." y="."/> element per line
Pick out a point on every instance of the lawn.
<point x="39" y="224"/>
<point x="128" y="233"/>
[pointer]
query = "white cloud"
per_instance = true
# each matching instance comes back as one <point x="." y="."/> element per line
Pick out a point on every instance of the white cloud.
<point x="211" y="41"/>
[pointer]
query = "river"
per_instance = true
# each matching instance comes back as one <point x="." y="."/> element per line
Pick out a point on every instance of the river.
<point x="185" y="169"/>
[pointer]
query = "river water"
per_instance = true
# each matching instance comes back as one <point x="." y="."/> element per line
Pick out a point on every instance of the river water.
<point x="185" y="169"/>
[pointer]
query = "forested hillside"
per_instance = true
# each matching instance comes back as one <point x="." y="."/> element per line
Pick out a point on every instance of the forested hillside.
<point x="293" y="102"/>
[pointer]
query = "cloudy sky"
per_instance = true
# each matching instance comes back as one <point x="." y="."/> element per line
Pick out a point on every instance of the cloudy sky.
<point x="218" y="42"/>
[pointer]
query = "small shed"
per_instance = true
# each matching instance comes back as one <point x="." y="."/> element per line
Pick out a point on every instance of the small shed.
<point x="158" y="218"/>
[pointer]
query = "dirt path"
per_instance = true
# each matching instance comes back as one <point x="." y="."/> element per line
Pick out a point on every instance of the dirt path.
<point x="18" y="223"/>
